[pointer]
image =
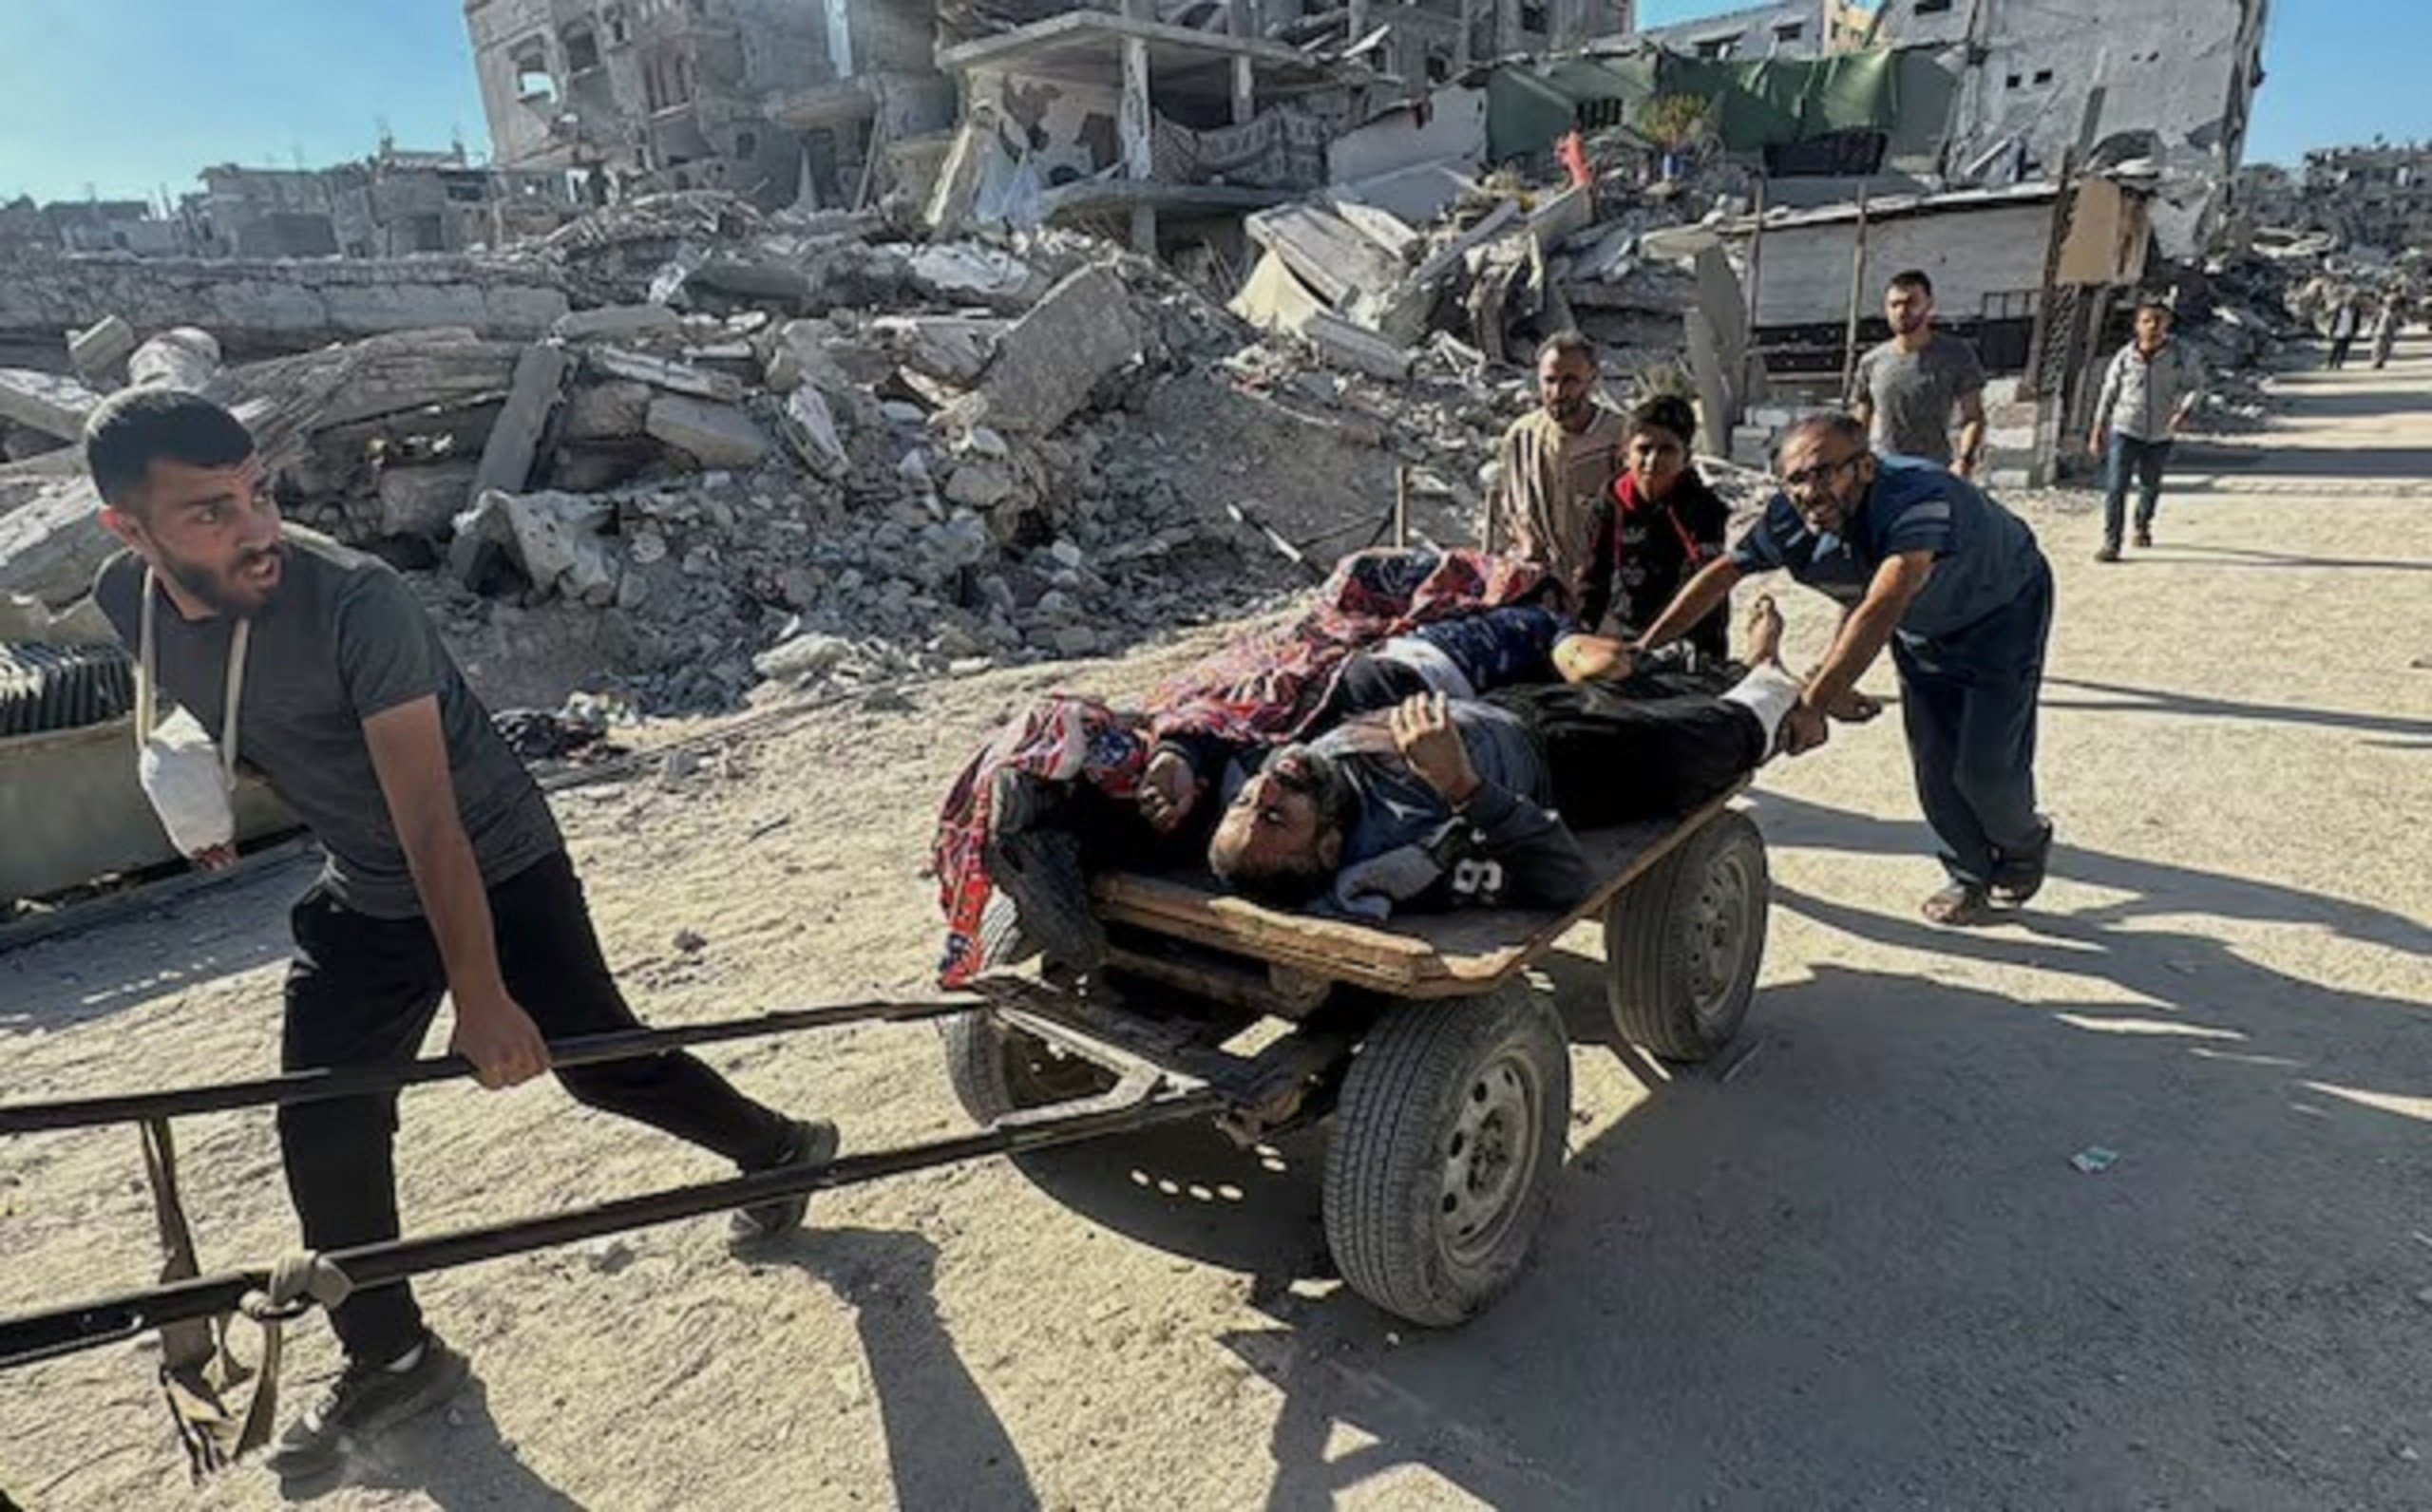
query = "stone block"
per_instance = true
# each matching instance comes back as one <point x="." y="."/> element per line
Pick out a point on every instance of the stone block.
<point x="714" y="435"/>
<point x="183" y="357"/>
<point x="810" y="431"/>
<point x="515" y="437"/>
<point x="552" y="537"/>
<point x="52" y="545"/>
<point x="605" y="411"/>
<point x="1049" y="361"/>
<point x="422" y="502"/>
<point x="97" y="350"/>
<point x="46" y="402"/>
<point x="616" y="323"/>
<point x="955" y="348"/>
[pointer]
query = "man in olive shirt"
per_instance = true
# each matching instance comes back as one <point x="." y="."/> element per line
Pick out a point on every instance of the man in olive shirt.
<point x="446" y="872"/>
<point x="1556" y="462"/>
<point x="1908" y="387"/>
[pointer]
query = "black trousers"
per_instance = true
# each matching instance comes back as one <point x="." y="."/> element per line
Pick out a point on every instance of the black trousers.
<point x="1649" y="748"/>
<point x="1968" y="701"/>
<point x="363" y="991"/>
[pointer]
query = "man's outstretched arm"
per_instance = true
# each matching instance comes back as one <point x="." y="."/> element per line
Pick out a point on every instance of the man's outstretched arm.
<point x="1861" y="639"/>
<point x="1696" y="599"/>
<point x="410" y="756"/>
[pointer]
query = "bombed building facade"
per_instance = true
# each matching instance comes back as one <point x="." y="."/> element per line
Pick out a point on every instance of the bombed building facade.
<point x="2171" y="83"/>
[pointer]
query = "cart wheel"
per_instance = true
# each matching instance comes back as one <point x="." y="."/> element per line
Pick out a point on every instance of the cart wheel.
<point x="1682" y="944"/>
<point x="1446" y="1141"/>
<point x="996" y="1069"/>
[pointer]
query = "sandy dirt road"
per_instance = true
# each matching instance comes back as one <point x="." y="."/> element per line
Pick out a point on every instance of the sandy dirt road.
<point x="1862" y="1273"/>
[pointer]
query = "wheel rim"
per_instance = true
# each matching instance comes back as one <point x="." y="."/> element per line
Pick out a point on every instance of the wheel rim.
<point x="1491" y="1157"/>
<point x="1038" y="1071"/>
<point x="1719" y="935"/>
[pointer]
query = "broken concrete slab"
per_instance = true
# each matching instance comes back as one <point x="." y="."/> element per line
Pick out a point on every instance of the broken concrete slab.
<point x="1331" y="256"/>
<point x="46" y="402"/>
<point x="967" y="273"/>
<point x="798" y="354"/>
<point x="423" y="501"/>
<point x="605" y="411"/>
<point x="664" y="373"/>
<point x="980" y="485"/>
<point x="97" y="350"/>
<point x="1049" y="361"/>
<point x="714" y="435"/>
<point x="953" y="348"/>
<point x="741" y="278"/>
<point x="616" y="323"/>
<point x="515" y="438"/>
<point x="52" y="545"/>
<point x="552" y="538"/>
<point x="183" y="357"/>
<point x="810" y="433"/>
<point x="280" y="303"/>
<point x="1344" y="345"/>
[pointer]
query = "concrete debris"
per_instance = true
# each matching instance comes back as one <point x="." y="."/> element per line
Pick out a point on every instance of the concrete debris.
<point x="664" y="373"/>
<point x="617" y="323"/>
<point x="1049" y="361"/>
<point x="968" y="272"/>
<point x="532" y="397"/>
<point x="811" y="430"/>
<point x="46" y="402"/>
<point x="182" y="357"/>
<point x="99" y="349"/>
<point x="714" y="435"/>
<point x="551" y="538"/>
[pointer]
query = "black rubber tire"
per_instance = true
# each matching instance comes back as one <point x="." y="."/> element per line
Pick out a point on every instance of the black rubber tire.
<point x="996" y="1069"/>
<point x="1683" y="944"/>
<point x="1423" y="1069"/>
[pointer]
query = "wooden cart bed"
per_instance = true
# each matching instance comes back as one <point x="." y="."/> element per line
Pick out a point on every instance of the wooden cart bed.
<point x="1421" y="955"/>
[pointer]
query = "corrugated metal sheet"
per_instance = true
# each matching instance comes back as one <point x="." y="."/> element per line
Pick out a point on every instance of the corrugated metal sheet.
<point x="47" y="688"/>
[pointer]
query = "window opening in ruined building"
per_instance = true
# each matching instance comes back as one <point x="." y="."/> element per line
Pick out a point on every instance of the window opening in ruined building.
<point x="2042" y="76"/>
<point x="620" y="30"/>
<point x="583" y="49"/>
<point x="746" y="145"/>
<point x="1790" y="31"/>
<point x="1932" y="8"/>
<point x="1714" y="47"/>
<point x="532" y="76"/>
<point x="2012" y="82"/>
<point x="1534" y="18"/>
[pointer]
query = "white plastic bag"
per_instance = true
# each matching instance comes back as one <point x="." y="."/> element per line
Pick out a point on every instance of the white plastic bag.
<point x="189" y="779"/>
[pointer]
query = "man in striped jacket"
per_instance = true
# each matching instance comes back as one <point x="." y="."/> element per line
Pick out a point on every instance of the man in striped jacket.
<point x="2150" y="387"/>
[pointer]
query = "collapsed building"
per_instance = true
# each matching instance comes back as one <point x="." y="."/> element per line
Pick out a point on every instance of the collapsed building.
<point x="850" y="345"/>
<point x="2171" y="83"/>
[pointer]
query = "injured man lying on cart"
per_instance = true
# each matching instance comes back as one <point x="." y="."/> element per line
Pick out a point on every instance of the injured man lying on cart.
<point x="1076" y="788"/>
<point x="1447" y="802"/>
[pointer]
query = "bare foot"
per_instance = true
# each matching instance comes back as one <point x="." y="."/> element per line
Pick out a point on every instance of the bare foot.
<point x="1764" y="632"/>
<point x="1854" y="708"/>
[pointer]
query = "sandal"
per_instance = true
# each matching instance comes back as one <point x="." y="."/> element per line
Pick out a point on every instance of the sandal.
<point x="1962" y="905"/>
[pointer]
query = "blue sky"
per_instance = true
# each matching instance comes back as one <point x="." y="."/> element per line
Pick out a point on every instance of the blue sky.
<point x="130" y="95"/>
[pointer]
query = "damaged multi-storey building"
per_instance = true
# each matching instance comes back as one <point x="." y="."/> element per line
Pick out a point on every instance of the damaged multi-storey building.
<point x="2378" y="194"/>
<point x="782" y="101"/>
<point x="2171" y="83"/>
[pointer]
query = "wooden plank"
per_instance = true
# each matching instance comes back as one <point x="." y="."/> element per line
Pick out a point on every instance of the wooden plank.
<point x="1419" y="956"/>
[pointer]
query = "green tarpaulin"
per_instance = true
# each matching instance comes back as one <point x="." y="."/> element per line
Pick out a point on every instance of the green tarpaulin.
<point x="1765" y="103"/>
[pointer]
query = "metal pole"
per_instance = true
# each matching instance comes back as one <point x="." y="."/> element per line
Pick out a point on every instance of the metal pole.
<point x="34" y="1336"/>
<point x="1857" y="291"/>
<point x="1401" y="506"/>
<point x="356" y="1081"/>
<point x="1755" y="289"/>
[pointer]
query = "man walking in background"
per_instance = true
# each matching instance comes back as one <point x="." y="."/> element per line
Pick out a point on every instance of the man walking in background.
<point x="2150" y="387"/>
<point x="1908" y="387"/>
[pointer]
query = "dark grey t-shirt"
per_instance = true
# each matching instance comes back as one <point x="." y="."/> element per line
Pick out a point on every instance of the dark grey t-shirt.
<point x="342" y="639"/>
<point x="1913" y="393"/>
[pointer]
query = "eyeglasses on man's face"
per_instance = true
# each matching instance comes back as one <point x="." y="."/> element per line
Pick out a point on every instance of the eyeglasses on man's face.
<point x="1808" y="480"/>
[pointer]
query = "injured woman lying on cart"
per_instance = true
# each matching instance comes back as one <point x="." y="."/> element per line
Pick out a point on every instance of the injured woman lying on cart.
<point x="1426" y="737"/>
